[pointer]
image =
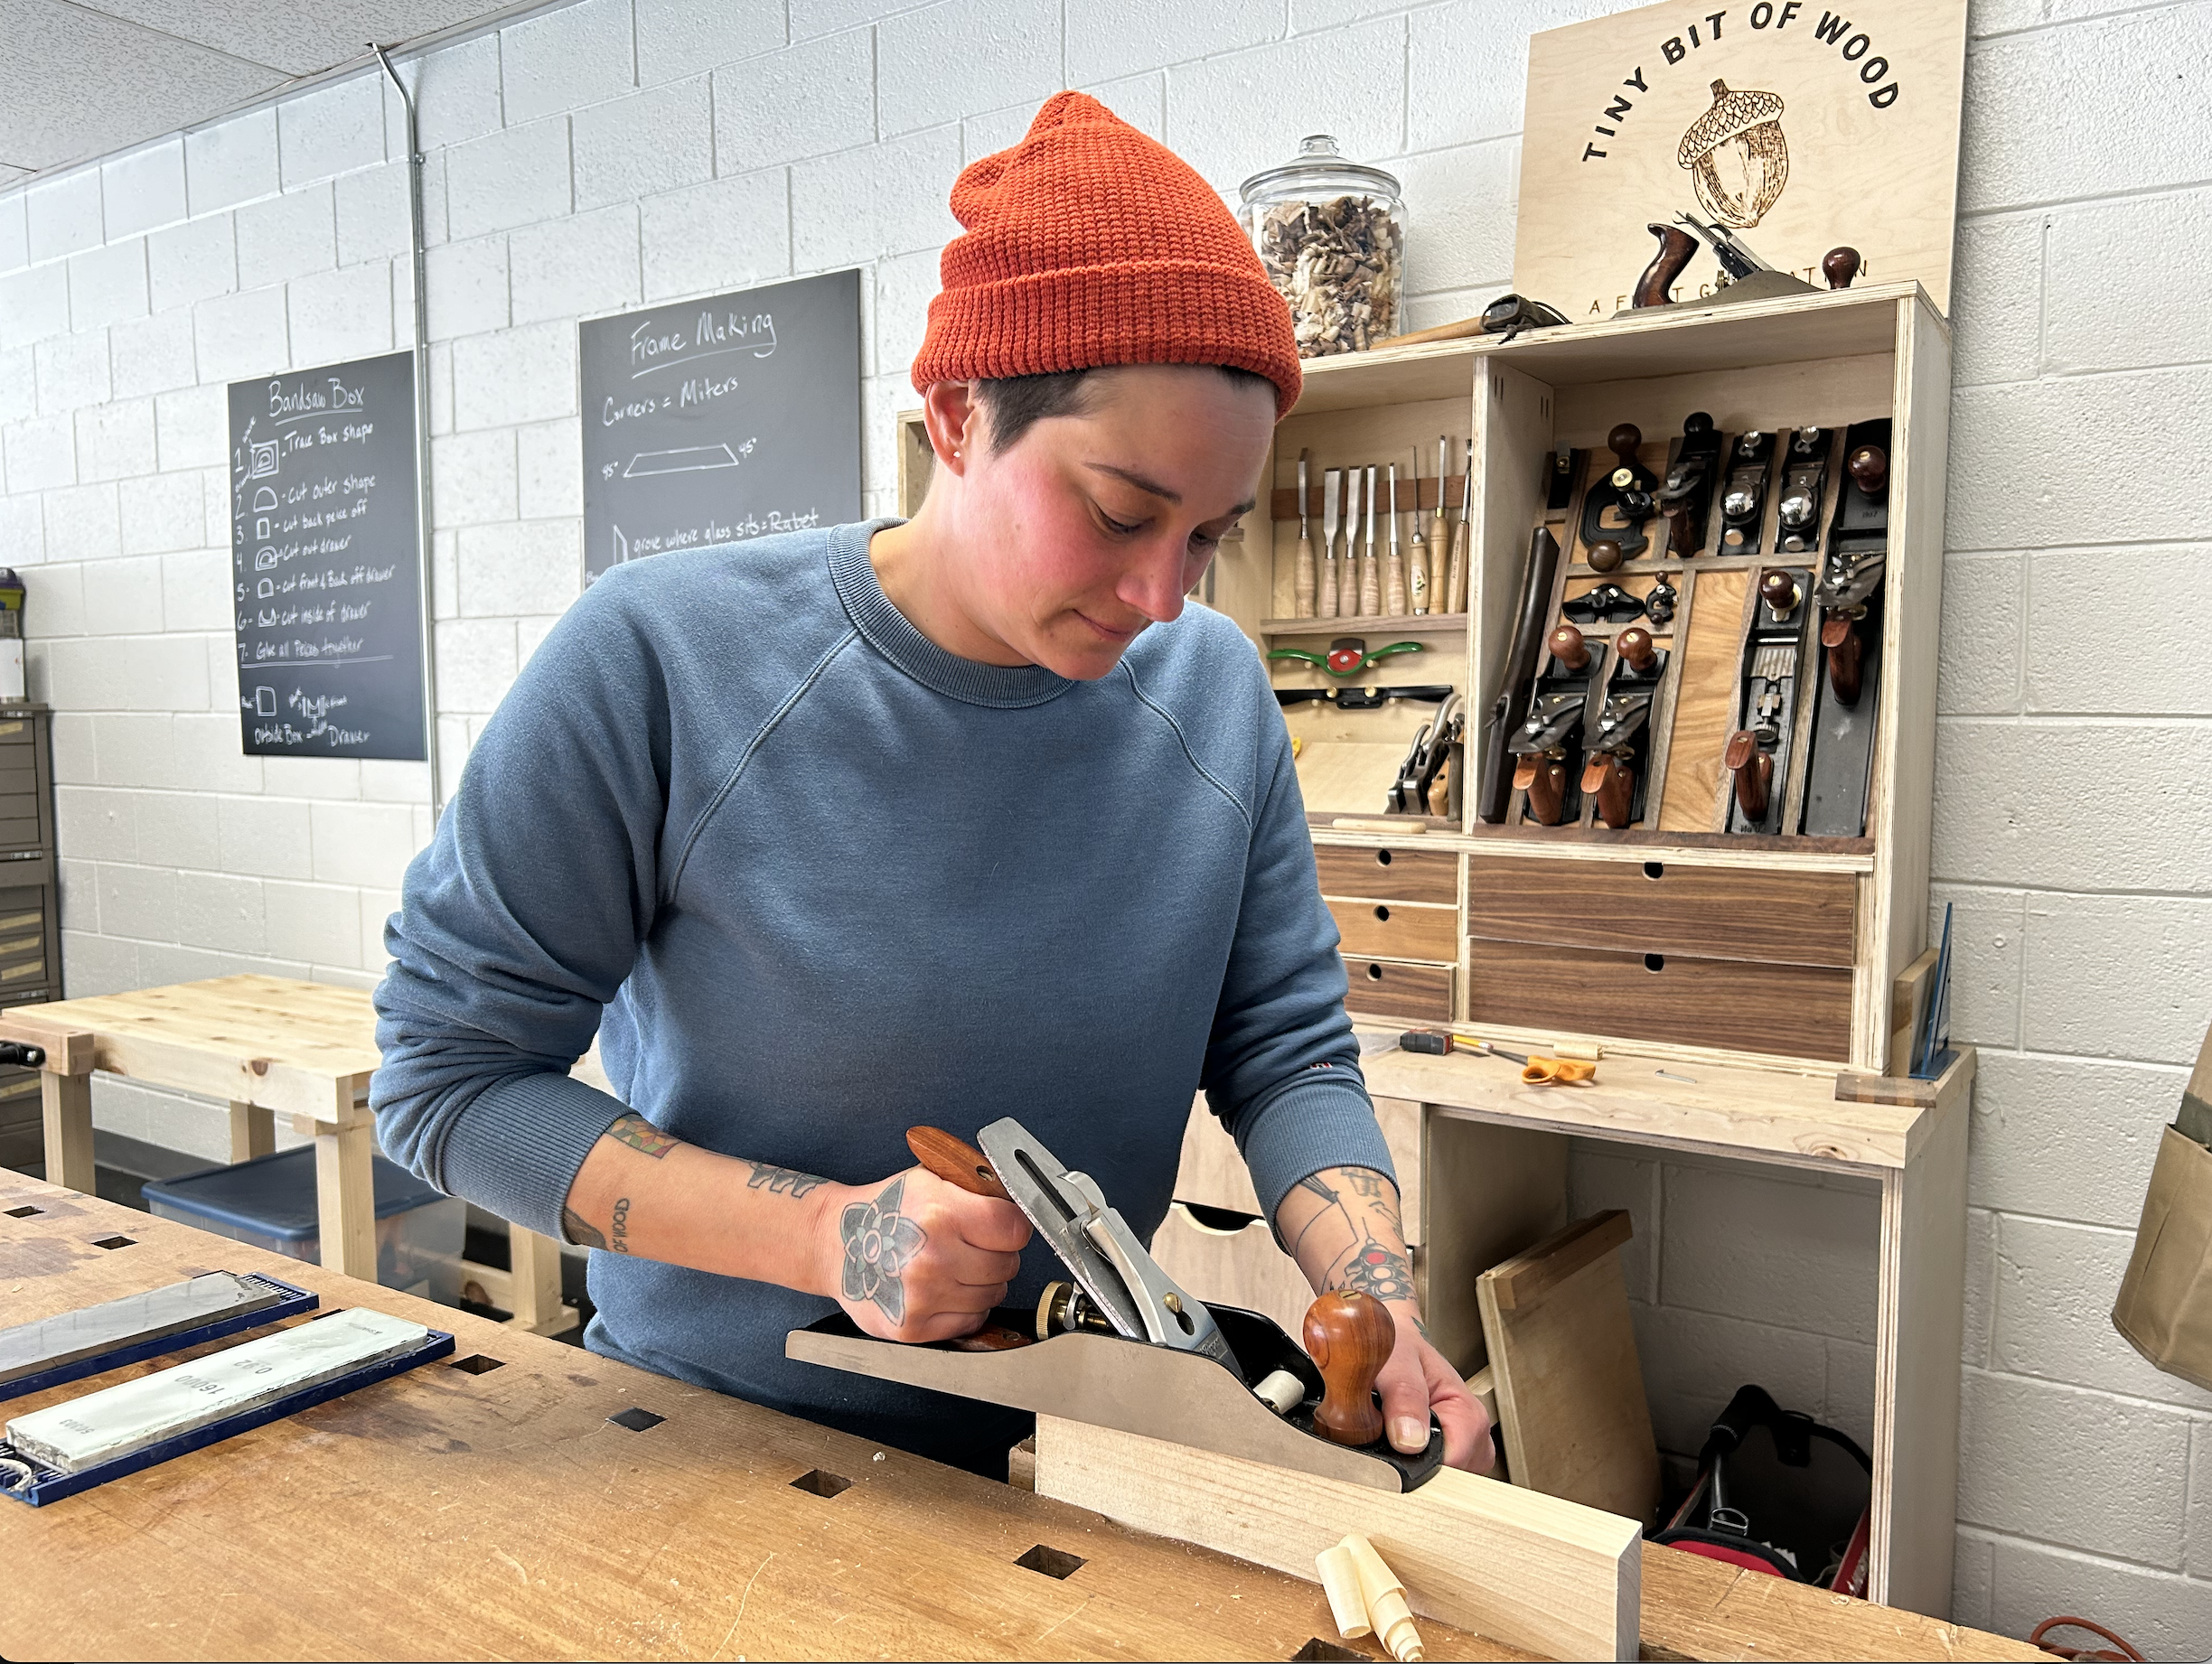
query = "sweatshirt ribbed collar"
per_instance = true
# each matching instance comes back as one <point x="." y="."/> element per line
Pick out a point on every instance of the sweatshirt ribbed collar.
<point x="1007" y="687"/>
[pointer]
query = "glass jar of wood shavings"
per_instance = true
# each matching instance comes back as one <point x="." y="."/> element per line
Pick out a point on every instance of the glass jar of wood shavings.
<point x="1332" y="236"/>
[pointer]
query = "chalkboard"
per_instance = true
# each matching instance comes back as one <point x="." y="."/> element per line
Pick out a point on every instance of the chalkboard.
<point x="718" y="420"/>
<point x="325" y="562"/>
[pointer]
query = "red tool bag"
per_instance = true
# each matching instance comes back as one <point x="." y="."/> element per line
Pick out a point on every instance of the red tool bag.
<point x="1777" y="1492"/>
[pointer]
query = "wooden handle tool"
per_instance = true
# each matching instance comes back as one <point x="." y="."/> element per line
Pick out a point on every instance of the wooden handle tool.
<point x="1371" y="561"/>
<point x="956" y="1162"/>
<point x="1417" y="560"/>
<point x="1302" y="581"/>
<point x="1332" y="509"/>
<point x="1455" y="587"/>
<point x="1350" y="1336"/>
<point x="1394" y="568"/>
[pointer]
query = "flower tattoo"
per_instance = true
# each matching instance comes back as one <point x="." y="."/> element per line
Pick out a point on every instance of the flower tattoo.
<point x="879" y="1244"/>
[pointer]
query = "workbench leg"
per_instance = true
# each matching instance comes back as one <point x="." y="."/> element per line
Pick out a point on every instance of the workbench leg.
<point x="345" y="1198"/>
<point x="535" y="1272"/>
<point x="1919" y="1322"/>
<point x="66" y="1101"/>
<point x="253" y="1132"/>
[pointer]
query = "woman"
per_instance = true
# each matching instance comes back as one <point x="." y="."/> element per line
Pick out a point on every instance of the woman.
<point x="833" y="834"/>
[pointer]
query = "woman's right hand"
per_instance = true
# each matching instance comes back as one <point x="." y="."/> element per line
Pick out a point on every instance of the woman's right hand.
<point x="916" y="1258"/>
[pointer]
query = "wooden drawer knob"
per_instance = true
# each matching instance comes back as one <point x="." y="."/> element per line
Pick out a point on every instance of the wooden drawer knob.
<point x="1350" y="1336"/>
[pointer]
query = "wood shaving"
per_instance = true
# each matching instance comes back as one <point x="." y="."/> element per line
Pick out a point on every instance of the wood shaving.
<point x="1339" y="263"/>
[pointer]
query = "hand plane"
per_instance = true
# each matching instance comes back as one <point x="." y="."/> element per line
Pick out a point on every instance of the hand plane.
<point x="1123" y="1346"/>
<point x="1743" y="498"/>
<point x="1616" y="508"/>
<point x="1616" y="737"/>
<point x="1547" y="746"/>
<point x="1850" y="597"/>
<point x="1686" y="495"/>
<point x="1804" y="477"/>
<point x="1758" y="752"/>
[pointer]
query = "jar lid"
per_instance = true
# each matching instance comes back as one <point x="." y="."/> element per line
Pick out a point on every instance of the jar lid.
<point x="1319" y="165"/>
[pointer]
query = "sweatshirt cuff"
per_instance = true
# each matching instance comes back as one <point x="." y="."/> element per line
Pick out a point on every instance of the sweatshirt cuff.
<point x="516" y="1148"/>
<point x="1313" y="1125"/>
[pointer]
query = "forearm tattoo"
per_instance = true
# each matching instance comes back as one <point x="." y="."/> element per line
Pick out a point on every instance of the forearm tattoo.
<point x="879" y="1243"/>
<point x="640" y="1133"/>
<point x="781" y="1181"/>
<point x="621" y="1244"/>
<point x="577" y="1230"/>
<point x="1356" y="1257"/>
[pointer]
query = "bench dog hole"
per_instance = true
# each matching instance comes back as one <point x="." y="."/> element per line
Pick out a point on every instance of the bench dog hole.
<point x="818" y="1483"/>
<point x="1318" y="1648"/>
<point x="24" y="1213"/>
<point x="114" y="1242"/>
<point x="637" y="1420"/>
<point x="477" y="1363"/>
<point x="1051" y="1562"/>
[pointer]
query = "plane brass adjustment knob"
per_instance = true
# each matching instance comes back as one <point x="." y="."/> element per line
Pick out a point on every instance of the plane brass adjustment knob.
<point x="1605" y="556"/>
<point x="1840" y="265"/>
<point x="1568" y="647"/>
<point x="1623" y="442"/>
<point x="1634" y="647"/>
<point x="1869" y="467"/>
<point x="1779" y="590"/>
<point x="1350" y="1335"/>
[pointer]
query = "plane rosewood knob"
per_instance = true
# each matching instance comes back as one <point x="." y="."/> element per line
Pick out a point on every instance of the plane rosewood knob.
<point x="1350" y="1336"/>
<point x="1635" y="645"/>
<point x="1753" y="771"/>
<point x="1616" y="790"/>
<point x="1779" y="590"/>
<point x="1623" y="442"/>
<point x="1840" y="265"/>
<point x="1604" y="555"/>
<point x="1869" y="467"/>
<point x="1569" y="648"/>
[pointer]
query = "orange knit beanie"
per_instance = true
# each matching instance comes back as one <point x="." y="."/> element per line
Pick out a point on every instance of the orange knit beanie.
<point x="1089" y="244"/>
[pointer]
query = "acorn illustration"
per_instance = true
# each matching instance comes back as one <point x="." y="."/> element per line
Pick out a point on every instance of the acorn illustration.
<point x="1738" y="159"/>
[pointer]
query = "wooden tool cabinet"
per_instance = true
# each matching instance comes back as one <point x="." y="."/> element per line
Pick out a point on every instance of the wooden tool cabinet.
<point x="1785" y="967"/>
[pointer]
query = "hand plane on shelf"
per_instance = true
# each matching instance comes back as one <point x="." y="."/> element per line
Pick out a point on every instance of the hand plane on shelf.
<point x="1805" y="481"/>
<point x="1850" y="597"/>
<point x="1743" y="496"/>
<point x="1616" y="737"/>
<point x="1549" y="743"/>
<point x="1686" y="496"/>
<point x="1757" y="753"/>
<point x="1493" y="788"/>
<point x="1123" y="1346"/>
<point x="1423" y="768"/>
<point x="1616" y="508"/>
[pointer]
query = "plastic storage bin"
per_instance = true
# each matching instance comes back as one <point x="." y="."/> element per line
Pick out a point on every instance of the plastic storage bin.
<point x="270" y="1203"/>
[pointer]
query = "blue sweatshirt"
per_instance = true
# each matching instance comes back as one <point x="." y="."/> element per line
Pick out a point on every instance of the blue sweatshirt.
<point x="814" y="880"/>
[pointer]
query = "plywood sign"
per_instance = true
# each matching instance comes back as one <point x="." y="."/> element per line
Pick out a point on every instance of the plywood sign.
<point x="1799" y="127"/>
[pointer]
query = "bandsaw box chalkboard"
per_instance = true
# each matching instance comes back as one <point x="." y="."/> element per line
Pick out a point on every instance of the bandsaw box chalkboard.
<point x="325" y="555"/>
<point x="713" y="421"/>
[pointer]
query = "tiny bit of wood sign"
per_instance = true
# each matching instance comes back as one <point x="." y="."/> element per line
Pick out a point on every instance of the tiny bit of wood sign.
<point x="1799" y="127"/>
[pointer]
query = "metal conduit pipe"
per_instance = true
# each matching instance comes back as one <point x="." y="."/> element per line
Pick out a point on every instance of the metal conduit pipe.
<point x="422" y="434"/>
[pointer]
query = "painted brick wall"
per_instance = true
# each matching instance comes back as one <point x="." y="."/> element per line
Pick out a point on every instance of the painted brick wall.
<point x="614" y="152"/>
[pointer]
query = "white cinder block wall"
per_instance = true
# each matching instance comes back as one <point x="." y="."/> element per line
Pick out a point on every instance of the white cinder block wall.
<point x="617" y="152"/>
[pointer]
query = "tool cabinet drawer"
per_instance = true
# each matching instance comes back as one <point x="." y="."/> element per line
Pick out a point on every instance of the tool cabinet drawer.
<point x="1383" y="988"/>
<point x="1231" y="1259"/>
<point x="1397" y="929"/>
<point x="1713" y="912"/>
<point x="1791" y="1010"/>
<point x="1390" y="875"/>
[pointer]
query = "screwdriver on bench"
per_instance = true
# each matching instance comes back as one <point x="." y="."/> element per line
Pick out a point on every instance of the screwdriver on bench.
<point x="1534" y="1070"/>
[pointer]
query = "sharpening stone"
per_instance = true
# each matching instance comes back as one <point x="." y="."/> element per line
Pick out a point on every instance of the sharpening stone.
<point x="117" y="1420"/>
<point x="31" y="1349"/>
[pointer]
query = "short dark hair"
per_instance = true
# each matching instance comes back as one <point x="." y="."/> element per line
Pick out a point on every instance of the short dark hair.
<point x="1015" y="404"/>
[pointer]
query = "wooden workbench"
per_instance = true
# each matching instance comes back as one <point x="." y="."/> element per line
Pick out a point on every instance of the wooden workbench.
<point x="265" y="1046"/>
<point x="449" y="1514"/>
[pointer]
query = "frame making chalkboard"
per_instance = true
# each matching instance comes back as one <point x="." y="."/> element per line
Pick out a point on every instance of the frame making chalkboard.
<point x="713" y="421"/>
<point x="327" y="562"/>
